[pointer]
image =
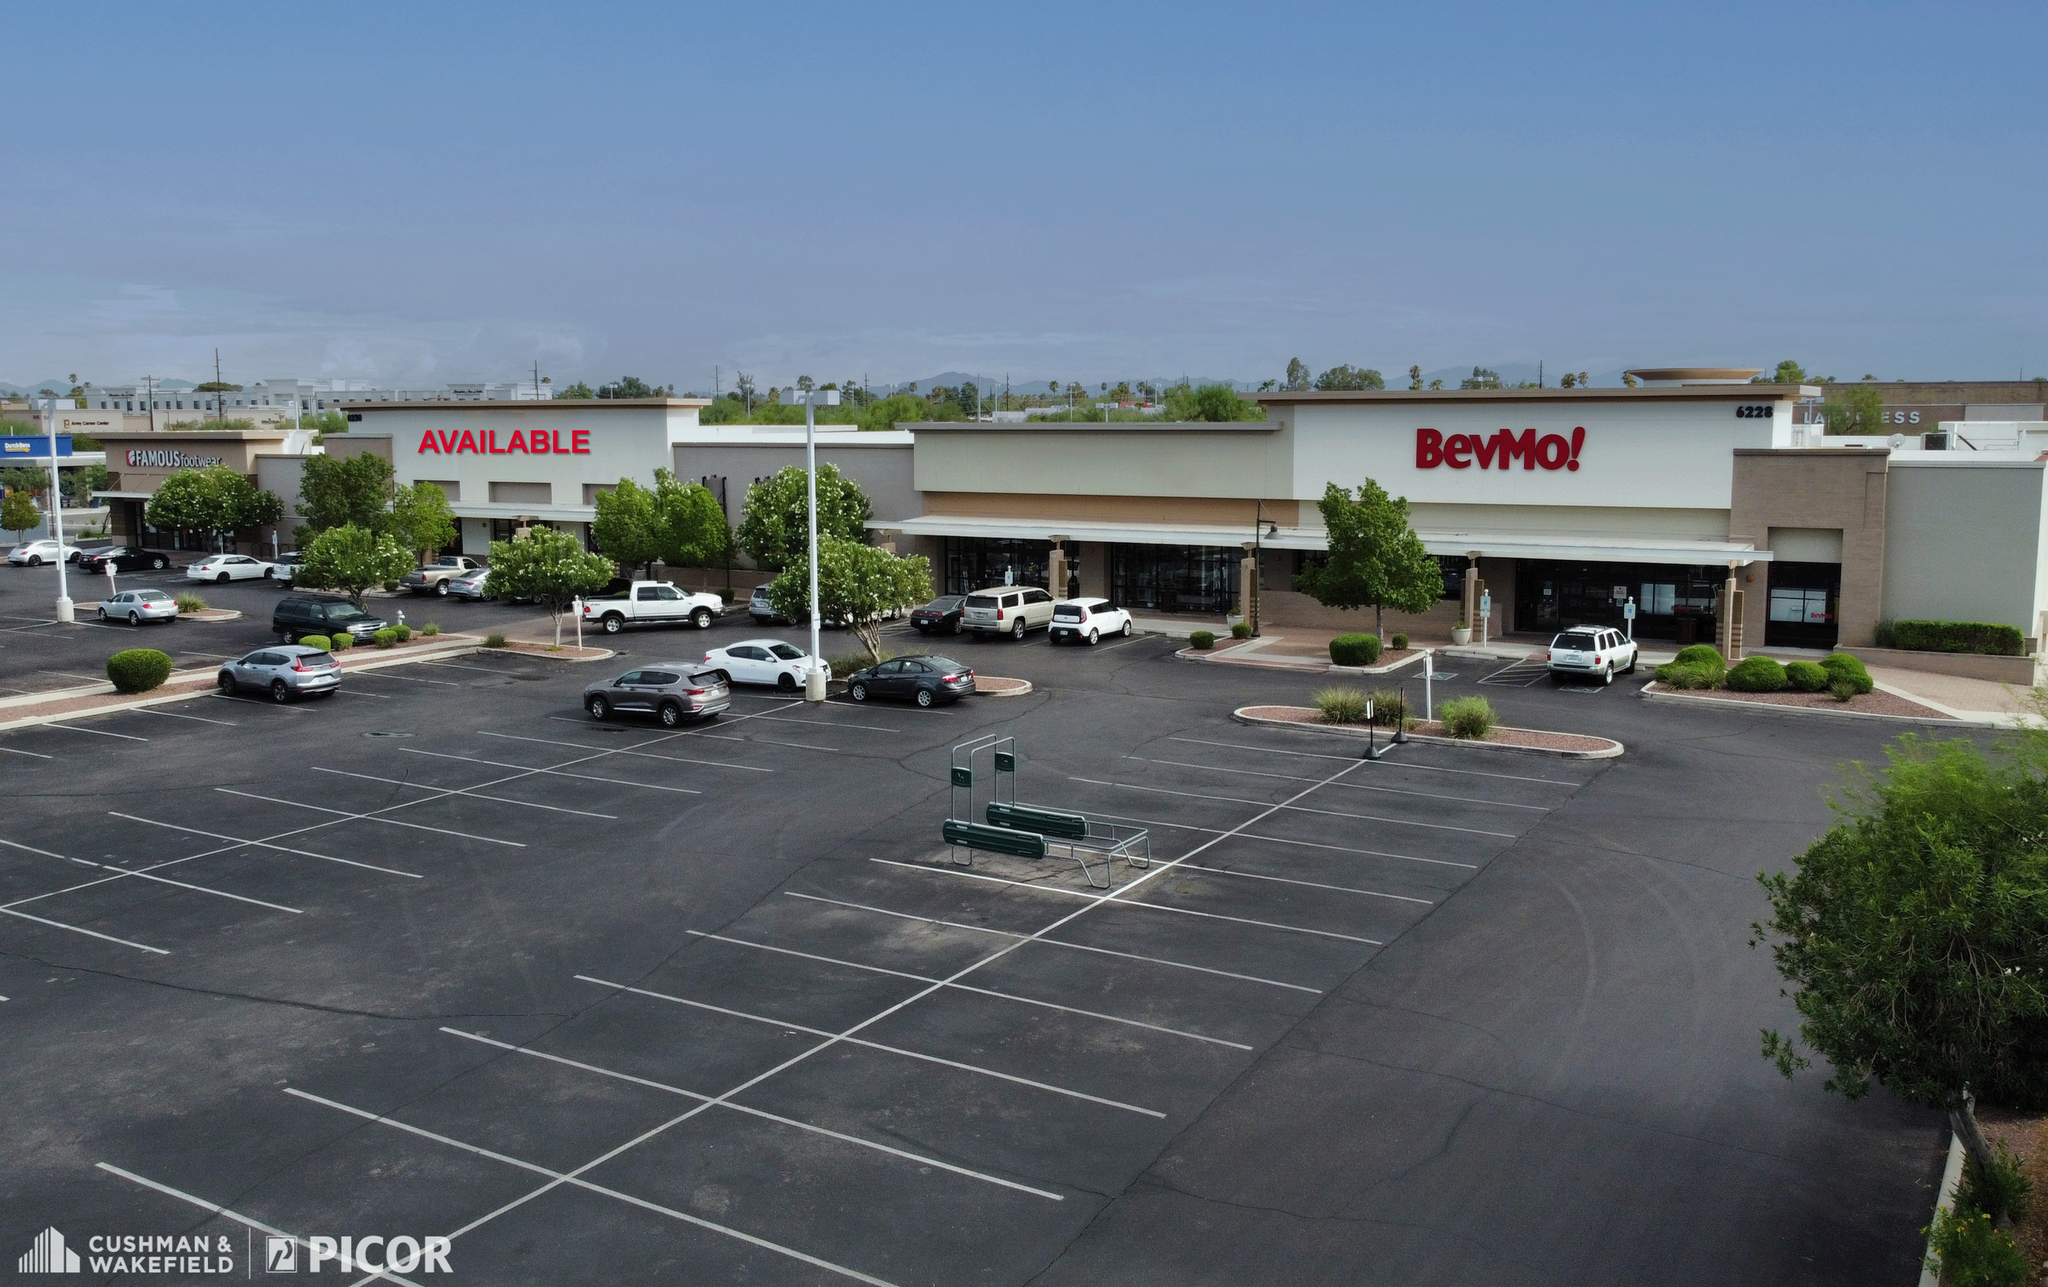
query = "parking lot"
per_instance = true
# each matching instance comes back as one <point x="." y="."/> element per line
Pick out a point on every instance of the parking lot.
<point x="600" y="1003"/>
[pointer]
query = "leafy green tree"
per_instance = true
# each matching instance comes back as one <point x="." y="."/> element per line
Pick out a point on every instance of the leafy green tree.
<point x="1914" y="934"/>
<point x="1854" y="409"/>
<point x="857" y="584"/>
<point x="216" y="386"/>
<point x="1220" y="402"/>
<point x="969" y="397"/>
<point x="1414" y="379"/>
<point x="689" y="523"/>
<point x="351" y="559"/>
<point x="1788" y="372"/>
<point x="1569" y="380"/>
<point x="774" y="531"/>
<point x="21" y="478"/>
<point x="627" y="528"/>
<point x="1351" y="377"/>
<point x="18" y="514"/>
<point x="575" y="391"/>
<point x="549" y="566"/>
<point x="629" y="386"/>
<point x="81" y="481"/>
<point x="1481" y="378"/>
<point x="421" y="519"/>
<point x="1585" y="381"/>
<point x="323" y="423"/>
<point x="216" y="501"/>
<point x="897" y="408"/>
<point x="1376" y="560"/>
<point x="1297" y="376"/>
<point x="334" y="492"/>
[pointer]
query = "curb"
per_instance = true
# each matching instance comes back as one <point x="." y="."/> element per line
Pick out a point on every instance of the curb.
<point x="1303" y="665"/>
<point x="1612" y="750"/>
<point x="1944" y="1200"/>
<point x="208" y="615"/>
<point x="1771" y="708"/>
<point x="1023" y="688"/>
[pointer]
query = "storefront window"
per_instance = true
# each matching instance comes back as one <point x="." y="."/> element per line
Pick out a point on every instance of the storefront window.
<point x="1672" y="602"/>
<point x="1802" y="606"/>
<point x="973" y="562"/>
<point x="1174" y="578"/>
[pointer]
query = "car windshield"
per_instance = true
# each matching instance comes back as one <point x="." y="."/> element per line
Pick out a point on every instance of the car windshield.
<point x="1577" y="642"/>
<point x="345" y="612"/>
<point x="786" y="652"/>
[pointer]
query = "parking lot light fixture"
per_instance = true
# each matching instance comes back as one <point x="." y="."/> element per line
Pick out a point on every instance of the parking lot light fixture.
<point x="814" y="681"/>
<point x="56" y="512"/>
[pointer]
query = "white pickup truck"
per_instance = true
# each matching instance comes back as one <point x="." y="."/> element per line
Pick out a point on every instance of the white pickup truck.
<point x="652" y="603"/>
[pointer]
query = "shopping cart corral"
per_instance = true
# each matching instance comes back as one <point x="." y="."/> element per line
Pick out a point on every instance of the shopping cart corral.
<point x="1028" y="830"/>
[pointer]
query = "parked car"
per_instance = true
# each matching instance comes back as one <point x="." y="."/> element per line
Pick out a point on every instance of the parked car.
<point x="762" y="661"/>
<point x="924" y="680"/>
<point x="763" y="612"/>
<point x="1007" y="610"/>
<point x="470" y="585"/>
<point x="1087" y="620"/>
<point x="673" y="690"/>
<point x="940" y="616"/>
<point x="138" y="606"/>
<point x="285" y="568"/>
<point x="229" y="567"/>
<point x="1591" y="650"/>
<point x="36" y="553"/>
<point x="434" y="578"/>
<point x="284" y="671"/>
<point x="652" y="603"/>
<point x="124" y="558"/>
<point x="299" y="615"/>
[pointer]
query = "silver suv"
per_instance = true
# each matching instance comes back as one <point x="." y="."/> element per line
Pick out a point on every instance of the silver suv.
<point x="673" y="690"/>
<point x="285" y="671"/>
<point x="1007" y="610"/>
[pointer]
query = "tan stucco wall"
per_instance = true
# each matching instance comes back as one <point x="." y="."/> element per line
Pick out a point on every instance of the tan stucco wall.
<point x="1816" y="487"/>
<point x="1251" y="461"/>
<point x="1057" y="507"/>
<point x="236" y="449"/>
<point x="1988" y="569"/>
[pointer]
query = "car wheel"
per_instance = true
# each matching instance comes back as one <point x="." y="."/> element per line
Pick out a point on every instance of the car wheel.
<point x="957" y="627"/>
<point x="671" y="714"/>
<point x="222" y="579"/>
<point x="613" y="623"/>
<point x="859" y="692"/>
<point x="701" y="618"/>
<point x="226" y="683"/>
<point x="1017" y="631"/>
<point x="159" y="562"/>
<point x="786" y="682"/>
<point x="1607" y="675"/>
<point x="268" y="573"/>
<point x="35" y="560"/>
<point x="1631" y="667"/>
<point x="134" y="618"/>
<point x="598" y="707"/>
<point x="1126" y="631"/>
<point x="280" y="692"/>
<point x="924" y="698"/>
<point x="441" y="589"/>
<point x="1094" y="637"/>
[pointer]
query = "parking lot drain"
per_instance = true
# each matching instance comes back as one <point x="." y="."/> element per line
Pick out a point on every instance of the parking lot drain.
<point x="385" y="733"/>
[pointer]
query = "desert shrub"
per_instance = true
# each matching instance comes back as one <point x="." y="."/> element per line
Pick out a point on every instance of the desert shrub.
<point x="1673" y="675"/>
<point x="191" y="603"/>
<point x="1806" y="676"/>
<point x="1844" y="690"/>
<point x="137" y="670"/>
<point x="495" y="639"/>
<point x="1390" y="709"/>
<point x="1355" y="650"/>
<point x="846" y="664"/>
<point x="1990" y="637"/>
<point x="402" y="631"/>
<point x="1200" y="640"/>
<point x="390" y="586"/>
<point x="322" y="642"/>
<point x="431" y="629"/>
<point x="1757" y="675"/>
<point x="1970" y="1250"/>
<point x="1240" y="630"/>
<point x="1467" y="717"/>
<point x="1340" y="705"/>
<point x="341" y="642"/>
<point x="1399" y="642"/>
<point x="2000" y="1185"/>
<point x="1840" y="665"/>
<point x="386" y="638"/>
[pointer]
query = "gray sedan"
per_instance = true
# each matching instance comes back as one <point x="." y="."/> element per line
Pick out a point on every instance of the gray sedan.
<point x="138" y="606"/>
<point x="284" y="671"/>
<point x="673" y="690"/>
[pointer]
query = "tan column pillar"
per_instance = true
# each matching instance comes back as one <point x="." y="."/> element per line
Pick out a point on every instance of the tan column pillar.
<point x="1248" y="585"/>
<point x="1470" y="610"/>
<point x="1056" y="569"/>
<point x="1730" y="621"/>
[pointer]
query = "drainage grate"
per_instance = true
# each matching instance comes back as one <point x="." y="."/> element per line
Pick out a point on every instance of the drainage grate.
<point x="386" y="733"/>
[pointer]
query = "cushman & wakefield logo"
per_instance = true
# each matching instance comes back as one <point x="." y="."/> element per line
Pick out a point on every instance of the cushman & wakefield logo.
<point x="1499" y="449"/>
<point x="197" y="1255"/>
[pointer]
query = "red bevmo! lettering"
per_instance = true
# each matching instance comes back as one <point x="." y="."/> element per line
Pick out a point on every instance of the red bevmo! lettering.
<point x="1499" y="450"/>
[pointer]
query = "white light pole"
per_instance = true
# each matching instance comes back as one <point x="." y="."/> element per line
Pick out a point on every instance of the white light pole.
<point x="814" y="683"/>
<point x="64" y="612"/>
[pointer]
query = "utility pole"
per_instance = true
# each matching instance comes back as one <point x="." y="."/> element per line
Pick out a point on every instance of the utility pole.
<point x="536" y="381"/>
<point x="219" y="403"/>
<point x="714" y="383"/>
<point x="149" y="390"/>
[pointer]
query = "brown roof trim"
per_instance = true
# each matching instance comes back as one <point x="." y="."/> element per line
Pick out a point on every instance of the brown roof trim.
<point x="1085" y="426"/>
<point x="1683" y="393"/>
<point x="540" y="404"/>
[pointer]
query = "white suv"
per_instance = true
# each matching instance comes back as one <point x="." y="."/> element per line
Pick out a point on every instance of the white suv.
<point x="1592" y="650"/>
<point x="1087" y="620"/>
<point x="1007" y="610"/>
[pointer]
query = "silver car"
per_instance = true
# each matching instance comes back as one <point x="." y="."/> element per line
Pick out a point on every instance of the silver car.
<point x="284" y="671"/>
<point x="470" y="585"/>
<point x="138" y="606"/>
<point x="673" y="690"/>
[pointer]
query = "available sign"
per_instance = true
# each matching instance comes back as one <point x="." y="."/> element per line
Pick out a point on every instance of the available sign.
<point x="538" y="442"/>
<point x="1498" y="450"/>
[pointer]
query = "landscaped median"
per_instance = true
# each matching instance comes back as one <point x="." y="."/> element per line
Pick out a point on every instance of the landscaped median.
<point x="1837" y="684"/>
<point x="1460" y="726"/>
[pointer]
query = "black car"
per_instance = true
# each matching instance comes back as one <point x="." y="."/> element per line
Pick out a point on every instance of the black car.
<point x="124" y="558"/>
<point x="940" y="616"/>
<point x="924" y="680"/>
<point x="299" y="615"/>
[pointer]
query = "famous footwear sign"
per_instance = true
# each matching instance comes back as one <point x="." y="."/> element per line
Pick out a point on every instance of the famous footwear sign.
<point x="1499" y="450"/>
<point x="168" y="458"/>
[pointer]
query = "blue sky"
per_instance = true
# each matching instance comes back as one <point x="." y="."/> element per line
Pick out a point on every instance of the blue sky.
<point x="425" y="193"/>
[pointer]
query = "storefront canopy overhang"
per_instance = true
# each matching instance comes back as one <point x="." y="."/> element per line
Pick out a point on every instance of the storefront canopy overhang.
<point x="1504" y="545"/>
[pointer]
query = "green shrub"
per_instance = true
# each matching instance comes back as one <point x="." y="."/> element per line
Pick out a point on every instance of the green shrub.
<point x="390" y="586"/>
<point x="431" y="629"/>
<point x="1240" y="630"/>
<point x="1844" y="690"/>
<point x="1673" y="675"/>
<point x="137" y="670"/>
<point x="1355" y="650"/>
<point x="495" y="639"/>
<point x="1340" y="705"/>
<point x="2001" y="1185"/>
<point x="1399" y="642"/>
<point x="1806" y="676"/>
<point x="1467" y="717"/>
<point x="386" y="638"/>
<point x="1840" y="665"/>
<point x="402" y="631"/>
<point x="1200" y="640"/>
<point x="191" y="603"/>
<point x="847" y="664"/>
<point x="1757" y="675"/>
<point x="1702" y="655"/>
<point x="322" y="642"/>
<point x="341" y="642"/>
<point x="1390" y="709"/>
<point x="1990" y="637"/>
<point x="1969" y="1250"/>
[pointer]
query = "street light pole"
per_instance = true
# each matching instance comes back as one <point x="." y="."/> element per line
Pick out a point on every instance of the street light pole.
<point x="814" y="683"/>
<point x="64" y="612"/>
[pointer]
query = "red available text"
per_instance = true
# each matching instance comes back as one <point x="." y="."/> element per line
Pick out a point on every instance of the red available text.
<point x="539" y="442"/>
<point x="1498" y="450"/>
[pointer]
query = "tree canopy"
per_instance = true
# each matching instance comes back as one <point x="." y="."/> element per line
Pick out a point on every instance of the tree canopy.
<point x="216" y="501"/>
<point x="1351" y="377"/>
<point x="690" y="524"/>
<point x="857" y="584"/>
<point x="420" y="519"/>
<point x="1788" y="372"/>
<point x="352" y="558"/>
<point x="626" y="528"/>
<point x="334" y="491"/>
<point x="1853" y="409"/>
<point x="774" y="531"/>
<point x="575" y="391"/>
<point x="549" y="566"/>
<point x="18" y="513"/>
<point x="1376" y="560"/>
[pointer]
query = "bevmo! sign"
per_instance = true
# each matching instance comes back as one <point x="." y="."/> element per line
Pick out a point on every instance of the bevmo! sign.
<point x="537" y="442"/>
<point x="1498" y="450"/>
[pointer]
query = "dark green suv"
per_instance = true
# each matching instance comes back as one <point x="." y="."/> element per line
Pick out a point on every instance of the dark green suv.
<point x="299" y="615"/>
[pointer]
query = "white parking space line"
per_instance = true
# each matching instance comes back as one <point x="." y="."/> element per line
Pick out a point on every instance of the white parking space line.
<point x="79" y="929"/>
<point x="382" y="697"/>
<point x="1059" y="942"/>
<point x="456" y="665"/>
<point x="371" y="817"/>
<point x="199" y="719"/>
<point x="828" y="723"/>
<point x="1312" y="884"/>
<point x="13" y="750"/>
<point x="1405" y="764"/>
<point x="626" y="750"/>
<point x="1305" y="844"/>
<point x="410" y="679"/>
<point x="1113" y="899"/>
<point x="238" y="841"/>
<point x="145" y="874"/>
<point x="963" y="987"/>
<point x="97" y="732"/>
<point x="478" y="795"/>
<point x="562" y="773"/>
<point x="1355" y="786"/>
<point x="787" y="1026"/>
<point x="766" y="741"/>
<point x="570" y="1177"/>
<point x="1296" y="808"/>
<point x="763" y="1114"/>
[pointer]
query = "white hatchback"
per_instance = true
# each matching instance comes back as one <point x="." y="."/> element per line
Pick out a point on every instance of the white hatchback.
<point x="1086" y="621"/>
<point x="1594" y="651"/>
<point x="762" y="661"/>
<point x="36" y="553"/>
<point x="229" y="567"/>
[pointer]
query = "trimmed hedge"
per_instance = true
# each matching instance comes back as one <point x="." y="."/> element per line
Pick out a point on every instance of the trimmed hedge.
<point x="322" y="642"/>
<point x="403" y="631"/>
<point x="385" y="638"/>
<point x="341" y="642"/>
<point x="1241" y="630"/>
<point x="137" y="670"/>
<point x="1806" y="676"/>
<point x="1399" y="642"/>
<point x="1757" y="675"/>
<point x="1988" y="637"/>
<point x="1355" y="650"/>
<point x="1843" y="668"/>
<point x="1201" y="640"/>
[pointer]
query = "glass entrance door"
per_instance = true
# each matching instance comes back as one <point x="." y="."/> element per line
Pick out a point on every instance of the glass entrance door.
<point x="1804" y="598"/>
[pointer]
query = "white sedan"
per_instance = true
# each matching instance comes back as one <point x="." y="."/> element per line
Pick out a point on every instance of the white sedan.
<point x="762" y="661"/>
<point x="36" y="553"/>
<point x="229" y="567"/>
<point x="1086" y="621"/>
<point x="138" y="606"/>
